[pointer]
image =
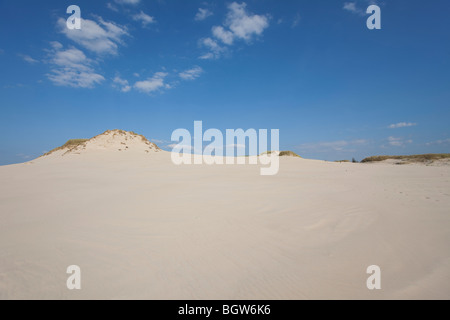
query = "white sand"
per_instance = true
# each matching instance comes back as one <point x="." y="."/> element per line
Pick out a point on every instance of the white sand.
<point x="141" y="227"/>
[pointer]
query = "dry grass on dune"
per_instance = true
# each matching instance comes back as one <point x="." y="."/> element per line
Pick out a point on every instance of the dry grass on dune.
<point x="289" y="154"/>
<point x="412" y="158"/>
<point x="70" y="144"/>
<point x="285" y="154"/>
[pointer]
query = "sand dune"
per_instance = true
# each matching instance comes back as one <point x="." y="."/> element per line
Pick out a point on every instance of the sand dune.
<point x="141" y="227"/>
<point x="109" y="141"/>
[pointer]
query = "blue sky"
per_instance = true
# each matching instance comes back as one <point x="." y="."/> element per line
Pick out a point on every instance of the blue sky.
<point x="312" y="69"/>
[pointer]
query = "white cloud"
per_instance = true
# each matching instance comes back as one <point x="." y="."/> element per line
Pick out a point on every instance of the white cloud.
<point x="28" y="58"/>
<point x="398" y="142"/>
<point x="71" y="68"/>
<point x="238" y="25"/>
<point x="144" y="18"/>
<point x="70" y="58"/>
<point x="439" y="142"/>
<point x="351" y="7"/>
<point x="122" y="83"/>
<point x="242" y="25"/>
<point x="112" y="7"/>
<point x="56" y="45"/>
<point x="332" y="145"/>
<point x="208" y="56"/>
<point x="215" y="50"/>
<point x="191" y="74"/>
<point x="102" y="37"/>
<point x="12" y="86"/>
<point x="132" y="2"/>
<point x="225" y="36"/>
<point x="402" y="125"/>
<point x="23" y="156"/>
<point x="152" y="84"/>
<point x="202" y="14"/>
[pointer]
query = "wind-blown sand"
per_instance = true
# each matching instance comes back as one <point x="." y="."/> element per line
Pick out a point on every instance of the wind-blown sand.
<point x="141" y="227"/>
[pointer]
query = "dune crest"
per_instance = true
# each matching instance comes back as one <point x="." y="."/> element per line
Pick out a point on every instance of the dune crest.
<point x="110" y="140"/>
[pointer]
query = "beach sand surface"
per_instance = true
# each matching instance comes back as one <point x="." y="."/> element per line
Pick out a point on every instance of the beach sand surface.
<point x="141" y="227"/>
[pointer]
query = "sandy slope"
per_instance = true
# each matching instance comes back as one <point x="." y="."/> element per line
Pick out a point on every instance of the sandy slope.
<point x="140" y="227"/>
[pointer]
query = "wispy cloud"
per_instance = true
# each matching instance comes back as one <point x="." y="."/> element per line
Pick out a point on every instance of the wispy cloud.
<point x="353" y="8"/>
<point x="101" y="37"/>
<point x="12" y="86"/>
<point x="23" y="156"/>
<point x="191" y="74"/>
<point x="339" y="145"/>
<point x="202" y="14"/>
<point x="28" y="59"/>
<point x="112" y="7"/>
<point x="71" y="68"/>
<point x="402" y="125"/>
<point x="398" y="142"/>
<point x="238" y="25"/>
<point x="439" y="142"/>
<point x="215" y="50"/>
<point x="132" y="2"/>
<point x="155" y="83"/>
<point x="144" y="18"/>
<point x="122" y="84"/>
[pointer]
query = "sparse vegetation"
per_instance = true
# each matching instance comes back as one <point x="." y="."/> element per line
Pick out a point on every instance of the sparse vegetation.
<point x="411" y="158"/>
<point x="122" y="132"/>
<point x="284" y="154"/>
<point x="71" y="144"/>
<point x="74" y="143"/>
<point x="289" y="154"/>
<point x="346" y="161"/>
